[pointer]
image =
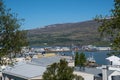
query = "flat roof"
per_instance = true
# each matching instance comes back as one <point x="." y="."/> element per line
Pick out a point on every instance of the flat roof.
<point x="45" y="61"/>
<point x="25" y="70"/>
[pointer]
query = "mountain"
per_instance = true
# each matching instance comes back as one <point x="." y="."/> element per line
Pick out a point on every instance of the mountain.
<point x="80" y="33"/>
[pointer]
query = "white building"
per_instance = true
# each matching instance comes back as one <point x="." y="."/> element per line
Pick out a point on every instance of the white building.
<point x="103" y="48"/>
<point x="114" y="63"/>
<point x="26" y="71"/>
<point x="114" y="60"/>
<point x="97" y="74"/>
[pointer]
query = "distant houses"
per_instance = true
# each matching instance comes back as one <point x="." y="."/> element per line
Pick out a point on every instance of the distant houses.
<point x="104" y="48"/>
<point x="94" y="48"/>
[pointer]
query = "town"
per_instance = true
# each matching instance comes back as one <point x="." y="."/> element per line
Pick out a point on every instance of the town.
<point x="60" y="40"/>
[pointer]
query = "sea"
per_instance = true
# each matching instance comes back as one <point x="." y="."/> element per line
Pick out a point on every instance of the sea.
<point x="99" y="56"/>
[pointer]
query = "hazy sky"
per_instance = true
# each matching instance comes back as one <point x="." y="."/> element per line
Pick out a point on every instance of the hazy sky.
<point x="38" y="13"/>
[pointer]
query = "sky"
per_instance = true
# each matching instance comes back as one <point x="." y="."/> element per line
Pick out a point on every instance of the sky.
<point x="40" y="13"/>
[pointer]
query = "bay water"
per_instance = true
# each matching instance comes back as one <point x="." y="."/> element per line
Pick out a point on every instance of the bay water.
<point x="99" y="56"/>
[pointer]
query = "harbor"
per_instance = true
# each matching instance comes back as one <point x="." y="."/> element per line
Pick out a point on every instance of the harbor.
<point x="99" y="56"/>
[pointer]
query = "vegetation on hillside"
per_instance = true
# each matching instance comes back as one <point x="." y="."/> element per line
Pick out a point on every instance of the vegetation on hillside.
<point x="81" y="33"/>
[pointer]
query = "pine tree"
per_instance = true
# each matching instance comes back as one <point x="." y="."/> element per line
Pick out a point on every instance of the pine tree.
<point x="82" y="59"/>
<point x="76" y="59"/>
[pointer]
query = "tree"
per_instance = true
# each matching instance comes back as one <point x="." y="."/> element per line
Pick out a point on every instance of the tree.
<point x="78" y="77"/>
<point x="110" y="27"/>
<point x="12" y="38"/>
<point x="82" y="59"/>
<point x="76" y="59"/>
<point x="59" y="71"/>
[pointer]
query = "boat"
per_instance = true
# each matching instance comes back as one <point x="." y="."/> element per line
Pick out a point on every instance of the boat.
<point x="91" y="59"/>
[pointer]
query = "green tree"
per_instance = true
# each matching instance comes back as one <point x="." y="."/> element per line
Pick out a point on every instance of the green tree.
<point x="76" y="59"/>
<point x="82" y="59"/>
<point x="12" y="38"/>
<point x="78" y="77"/>
<point x="110" y="27"/>
<point x="59" y="71"/>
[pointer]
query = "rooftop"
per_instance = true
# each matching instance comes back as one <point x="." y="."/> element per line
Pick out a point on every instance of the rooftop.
<point x="45" y="61"/>
<point x="25" y="70"/>
<point x="96" y="72"/>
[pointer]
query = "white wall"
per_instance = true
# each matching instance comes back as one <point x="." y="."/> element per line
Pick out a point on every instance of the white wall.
<point x="115" y="68"/>
<point x="115" y="62"/>
<point x="37" y="78"/>
<point x="113" y="74"/>
<point x="86" y="76"/>
<point x="103" y="48"/>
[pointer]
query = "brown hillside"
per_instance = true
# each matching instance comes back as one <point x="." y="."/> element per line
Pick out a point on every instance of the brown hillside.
<point x="80" y="33"/>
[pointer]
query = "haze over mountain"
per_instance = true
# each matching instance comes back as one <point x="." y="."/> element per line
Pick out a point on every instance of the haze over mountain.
<point x="79" y="33"/>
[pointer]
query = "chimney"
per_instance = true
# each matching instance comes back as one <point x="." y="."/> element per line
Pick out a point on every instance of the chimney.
<point x="104" y="72"/>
